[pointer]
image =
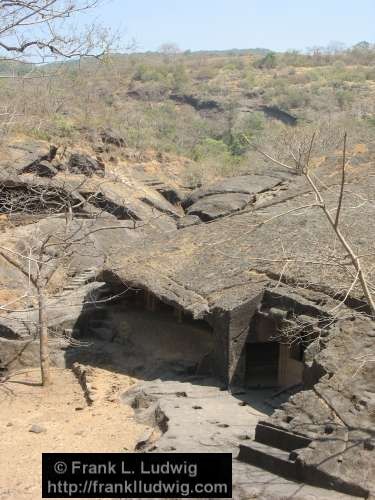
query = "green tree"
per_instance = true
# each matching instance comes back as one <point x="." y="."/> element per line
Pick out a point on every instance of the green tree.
<point x="269" y="61"/>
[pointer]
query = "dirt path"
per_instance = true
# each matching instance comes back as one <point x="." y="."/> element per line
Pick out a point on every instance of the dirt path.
<point x="68" y="423"/>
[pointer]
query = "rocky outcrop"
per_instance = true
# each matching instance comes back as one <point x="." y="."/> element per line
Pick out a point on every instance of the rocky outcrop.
<point x="83" y="164"/>
<point x="334" y="421"/>
<point x="227" y="196"/>
<point x="24" y="156"/>
<point x="243" y="184"/>
<point x="112" y="137"/>
<point x="142" y="207"/>
<point x="198" y="103"/>
<point x="279" y="114"/>
<point x="40" y="183"/>
<point x="196" y="416"/>
<point x="218" y="205"/>
<point x="220" y="272"/>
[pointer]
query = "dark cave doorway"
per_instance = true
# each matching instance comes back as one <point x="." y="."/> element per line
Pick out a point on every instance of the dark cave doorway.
<point x="137" y="334"/>
<point x="262" y="364"/>
<point x="269" y="360"/>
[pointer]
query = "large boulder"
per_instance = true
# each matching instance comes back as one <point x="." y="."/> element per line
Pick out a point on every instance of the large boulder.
<point x="244" y="184"/>
<point x="83" y="164"/>
<point x="17" y="354"/>
<point x="25" y="156"/>
<point x="110" y="136"/>
<point x="219" y="205"/>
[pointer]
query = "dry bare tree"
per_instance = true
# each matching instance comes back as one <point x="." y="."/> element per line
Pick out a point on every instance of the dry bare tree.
<point x="301" y="166"/>
<point x="45" y="252"/>
<point x="41" y="30"/>
<point x="35" y="32"/>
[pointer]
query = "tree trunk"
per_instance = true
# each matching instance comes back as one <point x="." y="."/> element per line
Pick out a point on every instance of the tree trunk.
<point x="43" y="337"/>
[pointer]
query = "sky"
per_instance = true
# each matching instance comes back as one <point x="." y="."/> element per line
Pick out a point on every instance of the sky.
<point x="225" y="24"/>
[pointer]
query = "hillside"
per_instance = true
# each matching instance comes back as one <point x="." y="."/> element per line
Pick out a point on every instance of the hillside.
<point x="200" y="105"/>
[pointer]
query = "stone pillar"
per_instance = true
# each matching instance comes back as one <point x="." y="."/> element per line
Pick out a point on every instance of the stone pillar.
<point x="151" y="301"/>
<point x="239" y="324"/>
<point x="219" y="320"/>
<point x="178" y="314"/>
<point x="231" y="328"/>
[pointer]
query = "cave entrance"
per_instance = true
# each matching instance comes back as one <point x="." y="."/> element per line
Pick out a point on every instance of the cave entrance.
<point x="268" y="359"/>
<point x="262" y="364"/>
<point x="150" y="338"/>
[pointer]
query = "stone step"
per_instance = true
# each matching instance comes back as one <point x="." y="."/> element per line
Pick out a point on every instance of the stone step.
<point x="268" y="458"/>
<point x="283" y="439"/>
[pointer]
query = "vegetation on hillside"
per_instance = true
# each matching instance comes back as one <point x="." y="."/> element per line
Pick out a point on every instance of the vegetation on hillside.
<point x="200" y="105"/>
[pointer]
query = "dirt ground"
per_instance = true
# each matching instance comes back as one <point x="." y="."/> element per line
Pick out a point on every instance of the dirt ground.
<point x="68" y="422"/>
<point x="202" y="418"/>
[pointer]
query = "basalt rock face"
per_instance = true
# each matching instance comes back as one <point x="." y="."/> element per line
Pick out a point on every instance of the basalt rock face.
<point x="197" y="102"/>
<point x="84" y="164"/>
<point x="109" y="212"/>
<point x="227" y="196"/>
<point x="110" y="136"/>
<point x="22" y="156"/>
<point x="37" y="180"/>
<point x="218" y="205"/>
<point x="219" y="272"/>
<point x="336" y="416"/>
<point x="244" y="184"/>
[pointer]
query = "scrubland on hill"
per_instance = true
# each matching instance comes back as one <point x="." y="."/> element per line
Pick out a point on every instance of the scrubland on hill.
<point x="198" y="105"/>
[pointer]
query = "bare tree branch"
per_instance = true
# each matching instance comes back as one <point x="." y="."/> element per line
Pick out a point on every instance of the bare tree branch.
<point x="339" y="205"/>
<point x="39" y="29"/>
<point x="334" y="222"/>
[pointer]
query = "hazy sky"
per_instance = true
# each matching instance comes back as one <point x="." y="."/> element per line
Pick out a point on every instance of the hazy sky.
<point x="225" y="24"/>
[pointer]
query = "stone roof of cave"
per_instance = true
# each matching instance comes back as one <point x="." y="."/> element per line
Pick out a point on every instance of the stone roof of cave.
<point x="221" y="263"/>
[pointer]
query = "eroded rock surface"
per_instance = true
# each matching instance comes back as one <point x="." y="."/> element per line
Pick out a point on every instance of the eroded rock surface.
<point x="227" y="196"/>
<point x="245" y="184"/>
<point x="196" y="416"/>
<point x="337" y="415"/>
<point x="207" y="271"/>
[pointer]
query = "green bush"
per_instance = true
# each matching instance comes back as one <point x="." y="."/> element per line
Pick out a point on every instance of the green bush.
<point x="211" y="148"/>
<point x="293" y="98"/>
<point x="269" y="61"/>
<point x="39" y="134"/>
<point x="249" y="126"/>
<point x="63" y="127"/>
<point x="344" y="98"/>
<point x="180" y="78"/>
<point x="144" y="73"/>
